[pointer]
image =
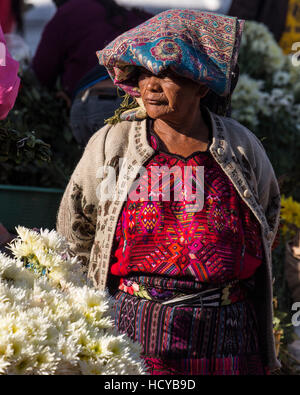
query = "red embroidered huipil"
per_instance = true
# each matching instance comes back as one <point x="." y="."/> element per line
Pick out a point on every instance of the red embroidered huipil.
<point x="217" y="243"/>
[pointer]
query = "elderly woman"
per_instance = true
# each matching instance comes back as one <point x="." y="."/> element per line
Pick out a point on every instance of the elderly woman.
<point x="174" y="207"/>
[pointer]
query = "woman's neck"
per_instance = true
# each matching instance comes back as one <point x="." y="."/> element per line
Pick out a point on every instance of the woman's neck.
<point x="184" y="137"/>
<point x="191" y="128"/>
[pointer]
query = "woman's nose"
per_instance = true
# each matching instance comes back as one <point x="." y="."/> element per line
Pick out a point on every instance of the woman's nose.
<point x="154" y="84"/>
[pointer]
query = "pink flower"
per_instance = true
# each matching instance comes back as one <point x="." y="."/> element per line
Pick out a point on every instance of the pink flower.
<point x="130" y="289"/>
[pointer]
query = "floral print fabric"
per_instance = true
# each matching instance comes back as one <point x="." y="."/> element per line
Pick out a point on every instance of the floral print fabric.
<point x="198" y="45"/>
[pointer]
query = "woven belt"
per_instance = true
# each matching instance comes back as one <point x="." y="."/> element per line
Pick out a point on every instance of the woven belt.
<point x="212" y="297"/>
<point x="209" y="298"/>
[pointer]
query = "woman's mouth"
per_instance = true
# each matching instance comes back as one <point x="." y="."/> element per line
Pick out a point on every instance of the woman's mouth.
<point x="155" y="102"/>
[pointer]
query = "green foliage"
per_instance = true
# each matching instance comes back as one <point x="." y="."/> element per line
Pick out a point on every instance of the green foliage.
<point x="19" y="152"/>
<point x="47" y="117"/>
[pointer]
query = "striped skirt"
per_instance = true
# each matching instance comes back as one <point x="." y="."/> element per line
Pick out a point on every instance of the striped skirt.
<point x="180" y="336"/>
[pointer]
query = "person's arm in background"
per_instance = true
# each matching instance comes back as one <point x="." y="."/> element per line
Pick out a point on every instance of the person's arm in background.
<point x="9" y="80"/>
<point x="47" y="62"/>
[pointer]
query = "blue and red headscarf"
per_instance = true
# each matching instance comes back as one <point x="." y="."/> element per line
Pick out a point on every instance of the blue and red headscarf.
<point x="199" y="45"/>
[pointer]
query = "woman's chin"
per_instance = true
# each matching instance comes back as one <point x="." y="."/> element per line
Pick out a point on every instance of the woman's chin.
<point x="157" y="112"/>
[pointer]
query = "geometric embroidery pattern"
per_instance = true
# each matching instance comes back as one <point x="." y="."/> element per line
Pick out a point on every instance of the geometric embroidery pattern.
<point x="149" y="216"/>
<point x="162" y="237"/>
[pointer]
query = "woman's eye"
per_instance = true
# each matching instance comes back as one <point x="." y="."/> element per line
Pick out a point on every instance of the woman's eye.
<point x="164" y="74"/>
<point x="145" y="73"/>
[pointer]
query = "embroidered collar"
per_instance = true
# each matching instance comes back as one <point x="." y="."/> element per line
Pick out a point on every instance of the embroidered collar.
<point x="218" y="145"/>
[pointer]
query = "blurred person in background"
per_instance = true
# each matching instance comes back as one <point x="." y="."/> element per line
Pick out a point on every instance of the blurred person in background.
<point x="69" y="42"/>
<point x="282" y="17"/>
<point x="95" y="99"/>
<point x="11" y="16"/>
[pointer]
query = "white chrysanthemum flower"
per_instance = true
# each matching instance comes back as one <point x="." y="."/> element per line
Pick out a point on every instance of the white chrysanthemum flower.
<point x="6" y="348"/>
<point x="258" y="43"/>
<point x="287" y="101"/>
<point x="249" y="100"/>
<point x="27" y="235"/>
<point x="281" y="78"/>
<point x="4" y="300"/>
<point x="90" y="298"/>
<point x="21" y="249"/>
<point x="13" y="270"/>
<point x="50" y="320"/>
<point x="77" y="329"/>
<point x="97" y="348"/>
<point x="23" y="359"/>
<point x="45" y="361"/>
<point x="57" y="276"/>
<point x="91" y="368"/>
<point x="38" y="296"/>
<point x="279" y="99"/>
<point x="125" y="366"/>
<point x="93" y="305"/>
<point x="117" y="345"/>
<point x="48" y="259"/>
<point x="17" y="296"/>
<point x="53" y="240"/>
<point x="276" y="57"/>
<point x="4" y="364"/>
<point x="69" y="348"/>
<point x="74" y="274"/>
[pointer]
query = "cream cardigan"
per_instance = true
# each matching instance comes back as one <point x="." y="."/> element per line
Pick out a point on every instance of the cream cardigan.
<point x="88" y="221"/>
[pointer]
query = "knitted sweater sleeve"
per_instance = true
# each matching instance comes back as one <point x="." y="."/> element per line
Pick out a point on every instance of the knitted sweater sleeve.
<point x="77" y="215"/>
<point x="252" y="151"/>
<point x="268" y="189"/>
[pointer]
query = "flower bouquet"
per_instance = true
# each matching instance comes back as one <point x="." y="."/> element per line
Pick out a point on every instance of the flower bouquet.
<point x="52" y="321"/>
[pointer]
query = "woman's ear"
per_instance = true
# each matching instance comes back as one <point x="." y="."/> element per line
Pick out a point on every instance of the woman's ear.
<point x="203" y="90"/>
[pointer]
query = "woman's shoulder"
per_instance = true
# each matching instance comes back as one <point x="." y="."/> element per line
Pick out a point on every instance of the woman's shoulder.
<point x="239" y="133"/>
<point x="246" y="146"/>
<point x="241" y="138"/>
<point x="111" y="137"/>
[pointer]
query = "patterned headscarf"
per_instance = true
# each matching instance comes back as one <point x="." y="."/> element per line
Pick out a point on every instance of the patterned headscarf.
<point x="201" y="46"/>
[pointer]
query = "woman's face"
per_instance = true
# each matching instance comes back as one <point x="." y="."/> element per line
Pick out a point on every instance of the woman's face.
<point x="169" y="96"/>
